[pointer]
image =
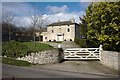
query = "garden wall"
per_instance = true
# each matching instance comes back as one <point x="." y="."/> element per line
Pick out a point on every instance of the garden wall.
<point x="44" y="57"/>
<point x="110" y="59"/>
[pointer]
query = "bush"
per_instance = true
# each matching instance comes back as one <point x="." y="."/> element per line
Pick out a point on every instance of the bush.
<point x="111" y="47"/>
<point x="85" y="43"/>
<point x="80" y="42"/>
<point x="92" y="43"/>
<point x="77" y="41"/>
<point x="14" y="49"/>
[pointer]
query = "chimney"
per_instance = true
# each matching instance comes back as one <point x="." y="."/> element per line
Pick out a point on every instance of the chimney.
<point x="72" y="20"/>
<point x="58" y="20"/>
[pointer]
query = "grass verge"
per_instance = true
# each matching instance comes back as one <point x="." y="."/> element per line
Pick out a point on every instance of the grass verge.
<point x="12" y="61"/>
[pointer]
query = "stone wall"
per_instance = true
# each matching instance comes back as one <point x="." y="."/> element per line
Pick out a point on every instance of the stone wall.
<point x="110" y="59"/>
<point x="44" y="57"/>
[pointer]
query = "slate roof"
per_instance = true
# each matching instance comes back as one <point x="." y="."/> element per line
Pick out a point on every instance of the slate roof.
<point x="62" y="23"/>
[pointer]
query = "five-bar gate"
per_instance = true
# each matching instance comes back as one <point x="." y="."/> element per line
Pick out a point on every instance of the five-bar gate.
<point x="83" y="53"/>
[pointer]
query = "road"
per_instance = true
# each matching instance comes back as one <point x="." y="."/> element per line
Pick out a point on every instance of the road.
<point x="30" y="72"/>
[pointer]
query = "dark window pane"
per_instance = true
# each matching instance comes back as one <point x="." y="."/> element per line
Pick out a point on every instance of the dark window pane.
<point x="52" y="31"/>
<point x="68" y="30"/>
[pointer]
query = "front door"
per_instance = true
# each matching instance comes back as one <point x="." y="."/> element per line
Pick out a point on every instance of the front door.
<point x="60" y="37"/>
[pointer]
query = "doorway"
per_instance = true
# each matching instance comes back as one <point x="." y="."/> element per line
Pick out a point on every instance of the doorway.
<point x="60" y="37"/>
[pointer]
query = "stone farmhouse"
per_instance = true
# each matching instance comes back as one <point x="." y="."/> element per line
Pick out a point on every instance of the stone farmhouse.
<point x="62" y="31"/>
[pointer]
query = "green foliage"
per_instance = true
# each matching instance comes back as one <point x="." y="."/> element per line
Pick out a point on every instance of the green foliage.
<point x="83" y="28"/>
<point x="92" y="43"/>
<point x="14" y="49"/>
<point x="77" y="41"/>
<point x="80" y="42"/>
<point x="102" y="21"/>
<point x="15" y="62"/>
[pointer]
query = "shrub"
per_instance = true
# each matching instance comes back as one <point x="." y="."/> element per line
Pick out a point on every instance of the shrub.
<point x="92" y="43"/>
<point x="102" y="26"/>
<point x="111" y="47"/>
<point x="82" y="43"/>
<point x="77" y="40"/>
<point x="14" y="49"/>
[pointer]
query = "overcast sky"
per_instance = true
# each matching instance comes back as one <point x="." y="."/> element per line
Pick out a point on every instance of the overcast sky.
<point x="53" y="11"/>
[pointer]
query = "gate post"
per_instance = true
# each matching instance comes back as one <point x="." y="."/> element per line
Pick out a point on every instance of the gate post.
<point x="100" y="49"/>
<point x="59" y="46"/>
<point x="61" y="54"/>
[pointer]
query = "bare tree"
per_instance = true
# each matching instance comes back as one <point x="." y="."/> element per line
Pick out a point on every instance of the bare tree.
<point x="37" y="22"/>
<point x="8" y="19"/>
<point x="41" y="24"/>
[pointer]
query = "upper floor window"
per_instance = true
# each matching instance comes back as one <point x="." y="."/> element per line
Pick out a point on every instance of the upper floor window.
<point x="68" y="29"/>
<point x="60" y="29"/>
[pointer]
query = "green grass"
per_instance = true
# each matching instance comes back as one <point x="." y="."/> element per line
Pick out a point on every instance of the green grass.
<point x="58" y="42"/>
<point x="21" y="47"/>
<point x="39" y="46"/>
<point x="12" y="61"/>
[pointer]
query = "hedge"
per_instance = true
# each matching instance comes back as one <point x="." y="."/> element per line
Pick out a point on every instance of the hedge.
<point x="80" y="42"/>
<point x="84" y="43"/>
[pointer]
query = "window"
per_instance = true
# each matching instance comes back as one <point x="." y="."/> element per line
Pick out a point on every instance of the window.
<point x="70" y="39"/>
<point x="60" y="29"/>
<point x="52" y="31"/>
<point x="68" y="29"/>
<point x="45" y="37"/>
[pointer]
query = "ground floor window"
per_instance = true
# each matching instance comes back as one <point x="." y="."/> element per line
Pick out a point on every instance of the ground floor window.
<point x="45" y="37"/>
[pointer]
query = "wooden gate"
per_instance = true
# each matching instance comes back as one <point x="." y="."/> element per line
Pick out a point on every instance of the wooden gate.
<point x="83" y="53"/>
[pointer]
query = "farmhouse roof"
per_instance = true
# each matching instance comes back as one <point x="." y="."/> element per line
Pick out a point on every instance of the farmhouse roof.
<point x="62" y="23"/>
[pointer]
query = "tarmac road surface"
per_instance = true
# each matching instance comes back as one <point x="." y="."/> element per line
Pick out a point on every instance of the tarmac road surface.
<point x="9" y="71"/>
